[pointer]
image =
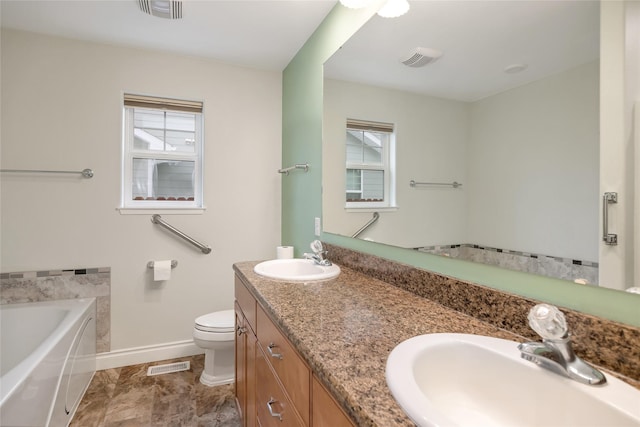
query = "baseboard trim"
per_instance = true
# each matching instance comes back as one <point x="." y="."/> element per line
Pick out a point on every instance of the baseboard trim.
<point x="146" y="354"/>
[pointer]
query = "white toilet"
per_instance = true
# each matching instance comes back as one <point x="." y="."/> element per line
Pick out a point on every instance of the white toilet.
<point x="215" y="333"/>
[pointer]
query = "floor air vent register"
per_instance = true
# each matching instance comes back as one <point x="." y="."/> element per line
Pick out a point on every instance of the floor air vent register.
<point x="168" y="368"/>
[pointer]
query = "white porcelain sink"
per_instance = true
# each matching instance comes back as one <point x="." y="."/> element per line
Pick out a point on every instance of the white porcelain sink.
<point x="296" y="269"/>
<point x="472" y="380"/>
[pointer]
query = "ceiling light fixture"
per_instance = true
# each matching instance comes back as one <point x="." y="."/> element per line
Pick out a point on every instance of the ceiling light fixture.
<point x="394" y="8"/>
<point x="391" y="9"/>
<point x="169" y="9"/>
<point x="355" y="4"/>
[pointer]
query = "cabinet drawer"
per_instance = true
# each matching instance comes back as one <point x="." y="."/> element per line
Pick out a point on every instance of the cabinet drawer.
<point x="247" y="303"/>
<point x="273" y="406"/>
<point x="289" y="367"/>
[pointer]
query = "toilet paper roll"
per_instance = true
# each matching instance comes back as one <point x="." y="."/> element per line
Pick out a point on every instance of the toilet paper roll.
<point x="162" y="270"/>
<point x="284" y="252"/>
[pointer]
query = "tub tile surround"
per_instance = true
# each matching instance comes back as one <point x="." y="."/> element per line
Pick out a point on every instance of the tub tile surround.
<point x="346" y="327"/>
<point x="611" y="345"/>
<point x="543" y="265"/>
<point x="48" y="285"/>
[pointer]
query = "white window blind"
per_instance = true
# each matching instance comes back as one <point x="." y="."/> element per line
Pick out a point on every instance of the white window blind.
<point x="162" y="103"/>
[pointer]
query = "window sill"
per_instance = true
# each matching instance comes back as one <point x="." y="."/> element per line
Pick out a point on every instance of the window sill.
<point x="371" y="209"/>
<point x="161" y="211"/>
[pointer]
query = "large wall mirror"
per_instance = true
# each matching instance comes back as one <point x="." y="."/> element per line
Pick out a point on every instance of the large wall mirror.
<point x="507" y="105"/>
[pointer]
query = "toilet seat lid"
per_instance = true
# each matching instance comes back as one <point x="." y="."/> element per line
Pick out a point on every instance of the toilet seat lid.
<point x="220" y="321"/>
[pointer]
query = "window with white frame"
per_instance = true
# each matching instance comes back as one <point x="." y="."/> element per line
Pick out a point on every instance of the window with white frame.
<point x="369" y="164"/>
<point x="162" y="153"/>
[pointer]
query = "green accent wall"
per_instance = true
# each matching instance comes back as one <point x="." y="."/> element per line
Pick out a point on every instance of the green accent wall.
<point x="302" y="88"/>
<point x="302" y="192"/>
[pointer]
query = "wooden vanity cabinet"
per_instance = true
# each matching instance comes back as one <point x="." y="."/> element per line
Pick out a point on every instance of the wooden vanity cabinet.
<point x="291" y="371"/>
<point x="325" y="411"/>
<point x="245" y="354"/>
<point x="240" y="362"/>
<point x="274" y="385"/>
<point x="274" y="407"/>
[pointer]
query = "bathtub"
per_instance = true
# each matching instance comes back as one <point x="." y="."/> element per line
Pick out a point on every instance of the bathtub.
<point x="47" y="359"/>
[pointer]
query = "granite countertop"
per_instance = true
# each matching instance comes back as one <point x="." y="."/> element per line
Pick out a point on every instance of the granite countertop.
<point x="345" y="329"/>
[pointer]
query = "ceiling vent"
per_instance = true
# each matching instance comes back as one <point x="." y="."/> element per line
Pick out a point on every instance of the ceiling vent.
<point x="421" y="56"/>
<point x="169" y="9"/>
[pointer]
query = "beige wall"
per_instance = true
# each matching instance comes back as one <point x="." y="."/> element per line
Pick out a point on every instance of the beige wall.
<point x="61" y="110"/>
<point x="432" y="135"/>
<point x="544" y="199"/>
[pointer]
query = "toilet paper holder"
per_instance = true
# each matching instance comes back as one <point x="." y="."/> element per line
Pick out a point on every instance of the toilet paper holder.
<point x="174" y="264"/>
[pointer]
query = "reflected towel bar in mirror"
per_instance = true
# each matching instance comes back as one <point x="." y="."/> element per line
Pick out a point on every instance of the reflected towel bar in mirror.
<point x="453" y="184"/>
<point x="375" y="217"/>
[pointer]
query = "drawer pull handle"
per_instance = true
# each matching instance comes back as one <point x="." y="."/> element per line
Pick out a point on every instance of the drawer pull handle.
<point x="270" y="348"/>
<point x="241" y="330"/>
<point x="273" y="414"/>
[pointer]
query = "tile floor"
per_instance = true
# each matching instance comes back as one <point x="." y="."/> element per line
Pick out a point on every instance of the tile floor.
<point x="127" y="397"/>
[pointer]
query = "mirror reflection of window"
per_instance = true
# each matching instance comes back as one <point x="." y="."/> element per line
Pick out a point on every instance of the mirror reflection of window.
<point x="368" y="166"/>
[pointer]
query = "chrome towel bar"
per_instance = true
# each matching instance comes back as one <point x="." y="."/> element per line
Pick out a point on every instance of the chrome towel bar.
<point x="86" y="173"/>
<point x="376" y="215"/>
<point x="157" y="219"/>
<point x="304" y="166"/>
<point x="453" y="184"/>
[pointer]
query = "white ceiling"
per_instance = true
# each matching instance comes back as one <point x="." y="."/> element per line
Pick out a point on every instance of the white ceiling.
<point x="478" y="38"/>
<point x="263" y="34"/>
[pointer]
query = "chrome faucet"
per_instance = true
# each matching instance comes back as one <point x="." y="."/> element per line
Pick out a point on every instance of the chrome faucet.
<point x="555" y="352"/>
<point x="319" y="255"/>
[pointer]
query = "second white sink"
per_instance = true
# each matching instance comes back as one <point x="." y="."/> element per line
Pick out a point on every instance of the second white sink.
<point x="296" y="270"/>
<point x="471" y="380"/>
